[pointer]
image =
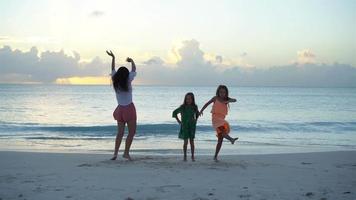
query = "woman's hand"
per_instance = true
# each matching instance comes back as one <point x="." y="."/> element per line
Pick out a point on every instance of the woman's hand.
<point x="128" y="59"/>
<point x="133" y="65"/>
<point x="110" y="53"/>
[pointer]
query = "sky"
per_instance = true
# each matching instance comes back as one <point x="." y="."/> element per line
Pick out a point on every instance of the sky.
<point x="64" y="42"/>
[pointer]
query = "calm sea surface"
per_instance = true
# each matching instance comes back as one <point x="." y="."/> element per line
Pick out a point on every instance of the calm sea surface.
<point x="267" y="120"/>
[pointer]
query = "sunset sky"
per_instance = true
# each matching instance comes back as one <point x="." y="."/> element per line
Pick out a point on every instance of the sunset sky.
<point x="177" y="35"/>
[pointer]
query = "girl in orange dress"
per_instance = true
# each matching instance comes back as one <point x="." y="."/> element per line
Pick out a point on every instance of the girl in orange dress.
<point x="219" y="111"/>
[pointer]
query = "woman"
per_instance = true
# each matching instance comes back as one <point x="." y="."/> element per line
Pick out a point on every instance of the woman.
<point x="125" y="112"/>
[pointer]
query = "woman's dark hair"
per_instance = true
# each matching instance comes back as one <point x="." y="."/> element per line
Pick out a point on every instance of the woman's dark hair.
<point x="195" y="107"/>
<point x="120" y="79"/>
<point x="224" y="88"/>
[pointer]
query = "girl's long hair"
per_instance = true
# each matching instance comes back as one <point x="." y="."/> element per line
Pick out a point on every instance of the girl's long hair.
<point x="120" y="79"/>
<point x="195" y="107"/>
<point x="224" y="88"/>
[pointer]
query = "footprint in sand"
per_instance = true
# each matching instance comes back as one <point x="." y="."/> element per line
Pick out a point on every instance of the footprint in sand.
<point x="309" y="194"/>
<point x="245" y="196"/>
<point x="84" y="165"/>
<point x="306" y="163"/>
<point x="164" y="187"/>
<point x="200" y="198"/>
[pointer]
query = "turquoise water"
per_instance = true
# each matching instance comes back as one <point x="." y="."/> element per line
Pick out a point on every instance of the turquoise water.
<point x="267" y="119"/>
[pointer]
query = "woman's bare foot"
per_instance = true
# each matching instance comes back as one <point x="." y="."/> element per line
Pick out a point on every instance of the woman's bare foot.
<point x="234" y="139"/>
<point x="193" y="159"/>
<point x="127" y="156"/>
<point x="185" y="158"/>
<point x="114" y="158"/>
<point x="216" y="159"/>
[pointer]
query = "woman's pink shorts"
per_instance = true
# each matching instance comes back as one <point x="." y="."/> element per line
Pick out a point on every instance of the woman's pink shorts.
<point x="125" y="113"/>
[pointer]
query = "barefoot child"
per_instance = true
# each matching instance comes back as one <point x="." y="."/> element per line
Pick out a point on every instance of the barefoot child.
<point x="189" y="115"/>
<point x="125" y="112"/>
<point x="219" y="111"/>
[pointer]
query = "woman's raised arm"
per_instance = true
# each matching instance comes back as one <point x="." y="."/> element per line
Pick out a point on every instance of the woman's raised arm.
<point x="133" y="65"/>
<point x="110" y="53"/>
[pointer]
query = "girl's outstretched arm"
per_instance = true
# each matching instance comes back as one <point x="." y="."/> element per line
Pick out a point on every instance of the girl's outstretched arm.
<point x="206" y="105"/>
<point x="110" y="53"/>
<point x="133" y="65"/>
<point x="231" y="100"/>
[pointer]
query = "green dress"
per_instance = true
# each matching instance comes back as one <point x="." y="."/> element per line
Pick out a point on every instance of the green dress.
<point x="189" y="116"/>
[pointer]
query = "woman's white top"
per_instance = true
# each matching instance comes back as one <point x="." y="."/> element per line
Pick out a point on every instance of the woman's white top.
<point x="124" y="98"/>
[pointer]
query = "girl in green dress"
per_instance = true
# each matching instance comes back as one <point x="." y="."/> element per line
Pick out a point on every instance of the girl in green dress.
<point x="189" y="114"/>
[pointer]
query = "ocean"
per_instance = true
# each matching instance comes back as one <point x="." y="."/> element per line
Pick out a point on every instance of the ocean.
<point x="76" y="118"/>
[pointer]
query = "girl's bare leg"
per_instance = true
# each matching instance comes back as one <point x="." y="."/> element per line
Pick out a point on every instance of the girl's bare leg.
<point x="185" y="149"/>
<point x="192" y="148"/>
<point x="232" y="140"/>
<point x="218" y="147"/>
<point x="132" y="131"/>
<point x="119" y="135"/>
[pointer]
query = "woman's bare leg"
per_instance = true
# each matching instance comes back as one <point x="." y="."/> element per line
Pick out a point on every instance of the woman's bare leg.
<point x="119" y="135"/>
<point x="192" y="147"/>
<point x="132" y="131"/>
<point x="185" y="149"/>
<point x="218" y="146"/>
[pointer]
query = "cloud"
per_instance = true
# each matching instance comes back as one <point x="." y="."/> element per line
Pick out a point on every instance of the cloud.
<point x="3" y="38"/>
<point x="243" y="54"/>
<point x="294" y="75"/>
<point x="190" y="54"/>
<point x="96" y="13"/>
<point x="46" y="66"/>
<point x="219" y="59"/>
<point x="305" y="56"/>
<point x="192" y="67"/>
<point x="203" y="72"/>
<point x="154" y="61"/>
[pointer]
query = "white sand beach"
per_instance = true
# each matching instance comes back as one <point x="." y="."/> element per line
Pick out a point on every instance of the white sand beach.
<point x="322" y="176"/>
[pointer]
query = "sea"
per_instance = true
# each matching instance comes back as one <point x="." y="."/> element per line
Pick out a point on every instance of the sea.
<point x="267" y="120"/>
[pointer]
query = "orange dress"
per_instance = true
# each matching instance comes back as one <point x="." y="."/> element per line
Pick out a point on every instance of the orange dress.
<point x="219" y="111"/>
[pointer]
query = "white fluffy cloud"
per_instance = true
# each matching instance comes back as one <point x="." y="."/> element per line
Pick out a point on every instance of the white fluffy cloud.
<point x="46" y="66"/>
<point x="191" y="68"/>
<point x="305" y="56"/>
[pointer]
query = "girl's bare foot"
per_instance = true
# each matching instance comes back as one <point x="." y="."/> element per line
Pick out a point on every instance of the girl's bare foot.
<point x="114" y="158"/>
<point x="193" y="159"/>
<point x="127" y="156"/>
<point x="185" y="158"/>
<point x="216" y="159"/>
<point x="234" y="139"/>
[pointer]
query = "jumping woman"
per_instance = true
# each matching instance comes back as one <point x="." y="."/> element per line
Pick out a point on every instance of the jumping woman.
<point x="125" y="112"/>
